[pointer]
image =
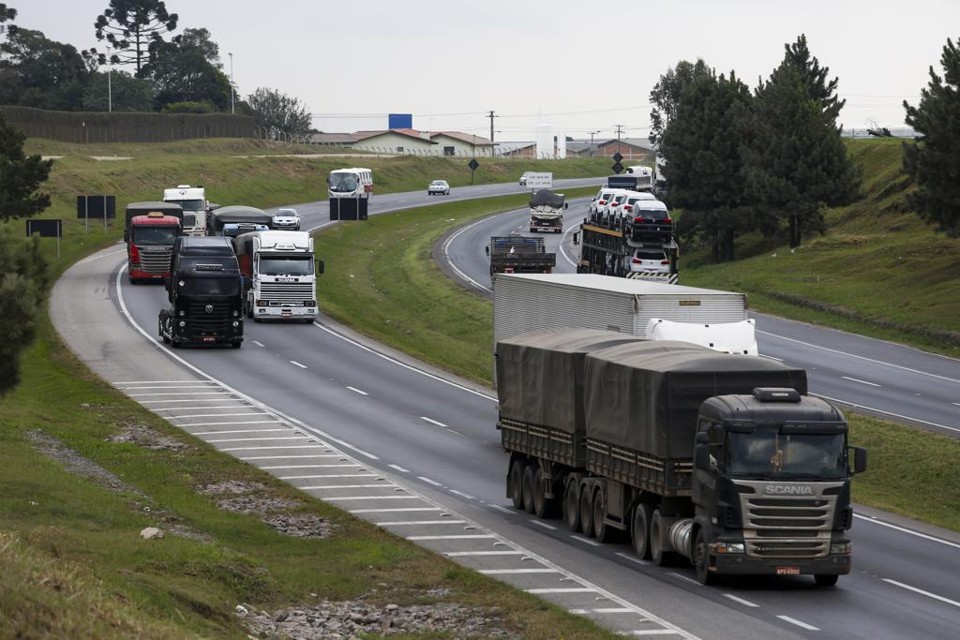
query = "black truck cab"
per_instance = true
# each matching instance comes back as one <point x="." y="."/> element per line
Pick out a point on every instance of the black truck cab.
<point x="205" y="293"/>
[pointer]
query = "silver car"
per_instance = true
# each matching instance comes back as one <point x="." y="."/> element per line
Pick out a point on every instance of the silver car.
<point x="286" y="219"/>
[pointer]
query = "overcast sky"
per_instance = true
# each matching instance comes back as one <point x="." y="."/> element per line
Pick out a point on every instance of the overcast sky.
<point x="579" y="65"/>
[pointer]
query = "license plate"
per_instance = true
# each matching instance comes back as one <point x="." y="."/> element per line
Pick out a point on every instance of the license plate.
<point x="209" y="339"/>
<point x="788" y="571"/>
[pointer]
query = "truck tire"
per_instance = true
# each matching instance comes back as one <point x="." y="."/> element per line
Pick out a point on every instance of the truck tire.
<point x="701" y="560"/>
<point x="661" y="556"/>
<point x="528" y="486"/>
<point x="601" y="531"/>
<point x="826" y="579"/>
<point x="586" y="513"/>
<point x="571" y="505"/>
<point x="640" y="530"/>
<point x="516" y="483"/>
<point x="543" y="507"/>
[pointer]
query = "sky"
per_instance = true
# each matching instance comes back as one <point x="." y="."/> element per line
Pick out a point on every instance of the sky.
<point x="583" y="68"/>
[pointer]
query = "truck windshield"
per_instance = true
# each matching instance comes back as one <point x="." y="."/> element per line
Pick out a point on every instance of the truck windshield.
<point x="154" y="235"/>
<point x="286" y="265"/>
<point x="767" y="453"/>
<point x="210" y="286"/>
<point x="190" y="205"/>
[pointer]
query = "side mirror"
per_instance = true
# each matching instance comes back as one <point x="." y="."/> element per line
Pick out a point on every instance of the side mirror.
<point x="487" y="249"/>
<point x="319" y="267"/>
<point x="566" y="205"/>
<point x="859" y="459"/>
<point x="126" y="235"/>
<point x="576" y="238"/>
<point x="701" y="457"/>
<point x="166" y="283"/>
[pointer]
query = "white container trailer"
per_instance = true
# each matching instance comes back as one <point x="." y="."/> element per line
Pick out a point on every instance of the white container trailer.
<point x="526" y="302"/>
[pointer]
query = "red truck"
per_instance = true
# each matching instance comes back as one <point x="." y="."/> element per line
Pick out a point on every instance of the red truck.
<point x="150" y="239"/>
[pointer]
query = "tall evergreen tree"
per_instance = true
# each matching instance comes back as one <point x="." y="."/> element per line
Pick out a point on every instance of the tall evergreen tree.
<point x="279" y="114"/>
<point x="130" y="26"/>
<point x="187" y="69"/>
<point x="701" y="148"/>
<point x="42" y="73"/>
<point x="933" y="160"/>
<point x="797" y="161"/>
<point x="665" y="96"/>
<point x="23" y="275"/>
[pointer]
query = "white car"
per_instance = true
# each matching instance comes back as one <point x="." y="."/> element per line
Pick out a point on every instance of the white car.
<point x="648" y="261"/>
<point x="627" y="206"/>
<point x="438" y="187"/>
<point x="286" y="219"/>
<point x="601" y="199"/>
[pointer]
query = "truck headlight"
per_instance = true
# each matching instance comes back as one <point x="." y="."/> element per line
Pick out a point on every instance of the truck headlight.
<point x="728" y="547"/>
<point x="236" y="324"/>
<point x="840" y="548"/>
<point x="182" y="313"/>
<point x="235" y="313"/>
<point x="183" y="323"/>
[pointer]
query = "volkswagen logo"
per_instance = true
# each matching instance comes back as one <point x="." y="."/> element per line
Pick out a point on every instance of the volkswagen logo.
<point x="208" y="308"/>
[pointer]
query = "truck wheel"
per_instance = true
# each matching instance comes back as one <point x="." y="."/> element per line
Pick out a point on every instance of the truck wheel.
<point x="701" y="561"/>
<point x="516" y="483"/>
<point x="586" y="514"/>
<point x="571" y="505"/>
<point x="540" y="503"/>
<point x="640" y="530"/>
<point x="660" y="556"/>
<point x="236" y="345"/>
<point x="601" y="531"/>
<point x="826" y="579"/>
<point x="528" y="488"/>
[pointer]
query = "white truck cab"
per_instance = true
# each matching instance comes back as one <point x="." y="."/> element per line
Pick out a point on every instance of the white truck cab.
<point x="195" y="207"/>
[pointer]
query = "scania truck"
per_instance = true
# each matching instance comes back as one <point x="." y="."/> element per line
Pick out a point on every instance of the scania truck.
<point x="280" y="275"/>
<point x="722" y="459"/>
<point x="195" y="207"/>
<point x="150" y="238"/>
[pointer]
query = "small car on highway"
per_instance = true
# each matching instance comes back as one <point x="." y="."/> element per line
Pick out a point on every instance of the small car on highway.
<point x="438" y="188"/>
<point x="286" y="219"/>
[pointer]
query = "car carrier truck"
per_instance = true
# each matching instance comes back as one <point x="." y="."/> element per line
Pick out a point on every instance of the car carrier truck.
<point x="519" y="254"/>
<point x="709" y="317"/>
<point x="718" y="458"/>
<point x="280" y="275"/>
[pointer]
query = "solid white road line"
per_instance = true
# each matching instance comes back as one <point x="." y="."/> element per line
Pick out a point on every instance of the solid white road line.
<point x="802" y="625"/>
<point x="922" y="592"/>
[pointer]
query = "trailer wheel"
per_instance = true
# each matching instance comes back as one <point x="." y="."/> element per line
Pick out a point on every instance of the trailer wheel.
<point x="571" y="505"/>
<point x="640" y="530"/>
<point x="586" y="514"/>
<point x="528" y="487"/>
<point x="601" y="531"/>
<point x="542" y="507"/>
<point x="516" y="483"/>
<point x="826" y="579"/>
<point x="701" y="561"/>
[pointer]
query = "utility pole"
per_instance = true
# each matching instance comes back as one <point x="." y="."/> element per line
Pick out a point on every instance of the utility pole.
<point x="109" y="83"/>
<point x="619" y="131"/>
<point x="232" y="92"/>
<point x="591" y="134"/>
<point x="491" y="116"/>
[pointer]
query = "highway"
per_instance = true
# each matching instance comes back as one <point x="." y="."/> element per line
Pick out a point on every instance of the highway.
<point x="415" y="450"/>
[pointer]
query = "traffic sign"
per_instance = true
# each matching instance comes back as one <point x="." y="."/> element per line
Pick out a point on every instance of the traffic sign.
<point x="617" y="157"/>
<point x="473" y="164"/>
<point x="617" y="167"/>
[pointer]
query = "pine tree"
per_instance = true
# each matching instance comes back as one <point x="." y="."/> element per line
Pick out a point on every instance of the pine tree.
<point x="933" y="161"/>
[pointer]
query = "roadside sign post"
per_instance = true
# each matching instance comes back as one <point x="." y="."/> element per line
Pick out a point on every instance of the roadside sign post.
<point x="46" y="229"/>
<point x="473" y="164"/>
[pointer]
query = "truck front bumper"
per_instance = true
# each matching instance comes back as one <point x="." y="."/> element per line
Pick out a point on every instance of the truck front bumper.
<point x="740" y="564"/>
<point x="283" y="313"/>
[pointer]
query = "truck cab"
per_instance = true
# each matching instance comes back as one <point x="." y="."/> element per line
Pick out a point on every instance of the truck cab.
<point x="195" y="206"/>
<point x="280" y="275"/>
<point x="205" y="294"/>
<point x="150" y="240"/>
<point x="546" y="211"/>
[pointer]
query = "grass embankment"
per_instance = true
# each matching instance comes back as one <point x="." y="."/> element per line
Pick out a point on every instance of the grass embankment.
<point x="72" y="562"/>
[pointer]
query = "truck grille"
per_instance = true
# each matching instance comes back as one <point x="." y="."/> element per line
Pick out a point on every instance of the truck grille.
<point x="214" y="321"/>
<point x="787" y="527"/>
<point x="155" y="261"/>
<point x="292" y="293"/>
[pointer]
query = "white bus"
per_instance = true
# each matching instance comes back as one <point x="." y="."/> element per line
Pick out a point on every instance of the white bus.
<point x="349" y="192"/>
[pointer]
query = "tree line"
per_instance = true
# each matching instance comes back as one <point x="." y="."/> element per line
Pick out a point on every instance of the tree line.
<point x="772" y="159"/>
<point x="143" y="67"/>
